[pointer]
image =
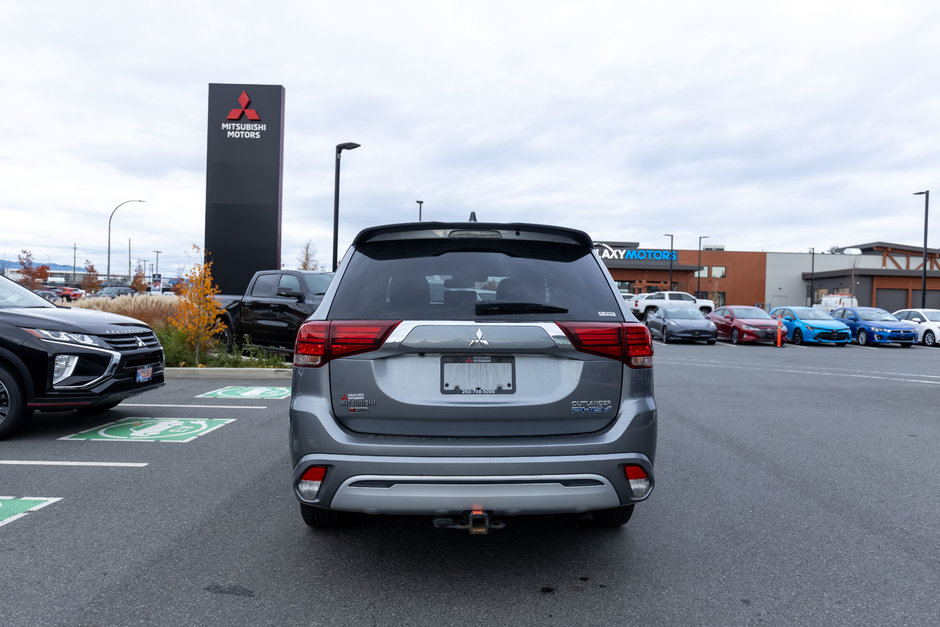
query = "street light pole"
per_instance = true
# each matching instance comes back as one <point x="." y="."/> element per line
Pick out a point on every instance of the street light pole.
<point x="669" y="235"/>
<point x="157" y="271"/>
<point x="923" y="277"/>
<point x="812" y="278"/>
<point x="339" y="149"/>
<point x="109" y="236"/>
<point x="698" y="286"/>
<point x="420" y="206"/>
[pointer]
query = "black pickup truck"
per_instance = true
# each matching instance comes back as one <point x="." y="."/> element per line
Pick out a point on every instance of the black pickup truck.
<point x="274" y="306"/>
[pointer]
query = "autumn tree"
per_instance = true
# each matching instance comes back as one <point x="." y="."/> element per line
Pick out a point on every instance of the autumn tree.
<point x="32" y="277"/>
<point x="308" y="258"/>
<point x="90" y="282"/>
<point x="139" y="282"/>
<point x="198" y="311"/>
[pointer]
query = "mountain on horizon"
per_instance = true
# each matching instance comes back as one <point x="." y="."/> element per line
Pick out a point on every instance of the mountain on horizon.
<point x="58" y="267"/>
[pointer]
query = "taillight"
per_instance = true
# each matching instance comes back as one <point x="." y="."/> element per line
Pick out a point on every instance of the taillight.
<point x="628" y="342"/>
<point x="638" y="345"/>
<point x="311" y="348"/>
<point x="310" y="481"/>
<point x="639" y="481"/>
<point x="320" y="341"/>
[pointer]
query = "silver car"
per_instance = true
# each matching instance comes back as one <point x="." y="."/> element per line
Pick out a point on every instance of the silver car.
<point x="472" y="372"/>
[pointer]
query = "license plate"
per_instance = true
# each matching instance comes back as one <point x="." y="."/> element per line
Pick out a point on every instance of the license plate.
<point x="478" y="374"/>
<point x="144" y="374"/>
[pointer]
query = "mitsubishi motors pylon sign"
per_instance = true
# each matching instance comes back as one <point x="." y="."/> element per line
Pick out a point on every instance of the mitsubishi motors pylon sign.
<point x="244" y="167"/>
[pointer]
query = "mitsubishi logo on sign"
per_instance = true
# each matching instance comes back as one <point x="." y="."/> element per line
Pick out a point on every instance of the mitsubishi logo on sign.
<point x="234" y="129"/>
<point x="244" y="101"/>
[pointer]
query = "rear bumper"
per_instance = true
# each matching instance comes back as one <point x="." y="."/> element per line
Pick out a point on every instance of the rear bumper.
<point x="450" y="486"/>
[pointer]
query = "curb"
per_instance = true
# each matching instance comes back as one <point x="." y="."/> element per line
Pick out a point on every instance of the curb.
<point x="227" y="373"/>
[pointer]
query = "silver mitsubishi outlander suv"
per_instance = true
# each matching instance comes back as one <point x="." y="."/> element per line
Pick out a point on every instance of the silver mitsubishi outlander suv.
<point x="472" y="372"/>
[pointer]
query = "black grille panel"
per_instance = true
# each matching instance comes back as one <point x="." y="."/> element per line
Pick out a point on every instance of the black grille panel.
<point x="127" y="342"/>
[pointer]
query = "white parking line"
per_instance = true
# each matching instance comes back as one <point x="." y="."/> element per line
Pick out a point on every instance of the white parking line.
<point x="809" y="372"/>
<point x="23" y="462"/>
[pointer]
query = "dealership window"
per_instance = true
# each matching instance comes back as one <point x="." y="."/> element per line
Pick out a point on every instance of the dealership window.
<point x="719" y="272"/>
<point x="703" y="273"/>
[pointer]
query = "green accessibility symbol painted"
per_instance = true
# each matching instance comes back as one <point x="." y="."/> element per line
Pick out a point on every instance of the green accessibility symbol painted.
<point x="256" y="392"/>
<point x="12" y="508"/>
<point x="152" y="429"/>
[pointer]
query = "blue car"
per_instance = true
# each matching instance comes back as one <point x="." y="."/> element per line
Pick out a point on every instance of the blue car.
<point x="806" y="324"/>
<point x="873" y="325"/>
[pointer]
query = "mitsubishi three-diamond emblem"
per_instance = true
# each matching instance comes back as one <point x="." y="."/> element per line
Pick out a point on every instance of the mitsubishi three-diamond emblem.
<point x="479" y="341"/>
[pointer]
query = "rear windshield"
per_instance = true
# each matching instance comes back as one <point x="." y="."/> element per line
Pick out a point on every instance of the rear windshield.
<point x="473" y="280"/>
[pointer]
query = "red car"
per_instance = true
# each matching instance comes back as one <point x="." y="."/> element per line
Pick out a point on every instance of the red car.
<point x="69" y="293"/>
<point x="742" y="323"/>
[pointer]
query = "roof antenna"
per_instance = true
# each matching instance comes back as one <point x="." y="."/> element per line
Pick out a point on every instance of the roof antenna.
<point x="473" y="216"/>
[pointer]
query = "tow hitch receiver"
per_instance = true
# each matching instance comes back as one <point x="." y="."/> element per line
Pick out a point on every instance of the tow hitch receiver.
<point x="477" y="523"/>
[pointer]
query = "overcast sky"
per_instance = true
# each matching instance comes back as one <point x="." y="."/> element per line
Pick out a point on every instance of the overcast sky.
<point x="766" y="126"/>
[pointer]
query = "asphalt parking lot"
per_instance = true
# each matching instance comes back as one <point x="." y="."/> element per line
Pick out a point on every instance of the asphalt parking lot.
<point x="794" y="485"/>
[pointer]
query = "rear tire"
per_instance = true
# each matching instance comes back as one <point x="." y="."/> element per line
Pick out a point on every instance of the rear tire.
<point x="13" y="409"/>
<point x="929" y="338"/>
<point x="613" y="517"/>
<point x="320" y="518"/>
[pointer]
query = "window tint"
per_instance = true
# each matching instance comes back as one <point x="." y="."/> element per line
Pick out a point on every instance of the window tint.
<point x="264" y="285"/>
<point x="752" y="313"/>
<point x="289" y="281"/>
<point x="318" y="283"/>
<point x="473" y="280"/>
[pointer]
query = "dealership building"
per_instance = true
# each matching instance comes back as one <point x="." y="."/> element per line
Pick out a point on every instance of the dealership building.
<point x="883" y="274"/>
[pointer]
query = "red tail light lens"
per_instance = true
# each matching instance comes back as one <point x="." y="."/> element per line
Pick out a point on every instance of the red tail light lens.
<point x="310" y="482"/>
<point x="311" y="346"/>
<point x="638" y="345"/>
<point x="352" y="338"/>
<point x="639" y="481"/>
<point x="628" y="342"/>
<point x="320" y="341"/>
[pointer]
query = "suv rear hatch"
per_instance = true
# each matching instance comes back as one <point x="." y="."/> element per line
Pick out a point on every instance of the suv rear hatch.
<point x="475" y="330"/>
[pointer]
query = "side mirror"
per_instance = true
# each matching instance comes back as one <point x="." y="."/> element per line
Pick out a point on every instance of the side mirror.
<point x="788" y="319"/>
<point x="287" y="292"/>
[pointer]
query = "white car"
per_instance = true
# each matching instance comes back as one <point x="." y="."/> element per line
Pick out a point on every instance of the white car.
<point x="673" y="299"/>
<point x="927" y="322"/>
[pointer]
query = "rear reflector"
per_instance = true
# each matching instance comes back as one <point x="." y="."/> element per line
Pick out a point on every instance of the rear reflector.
<point x="628" y="342"/>
<point x="310" y="481"/>
<point x="639" y="481"/>
<point x="319" y="341"/>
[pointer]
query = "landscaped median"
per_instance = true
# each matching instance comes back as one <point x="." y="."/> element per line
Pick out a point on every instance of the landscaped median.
<point x="227" y="373"/>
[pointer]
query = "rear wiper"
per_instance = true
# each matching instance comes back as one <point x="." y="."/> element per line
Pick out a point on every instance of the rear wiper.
<point x="491" y="309"/>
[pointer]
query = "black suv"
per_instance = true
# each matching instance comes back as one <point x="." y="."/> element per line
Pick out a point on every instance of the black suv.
<point x="56" y="358"/>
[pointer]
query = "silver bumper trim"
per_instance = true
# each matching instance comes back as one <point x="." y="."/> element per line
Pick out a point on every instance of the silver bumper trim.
<point x="502" y="495"/>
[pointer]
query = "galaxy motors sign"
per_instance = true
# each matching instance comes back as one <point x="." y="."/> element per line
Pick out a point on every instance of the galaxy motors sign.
<point x="625" y="253"/>
<point x="244" y="165"/>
